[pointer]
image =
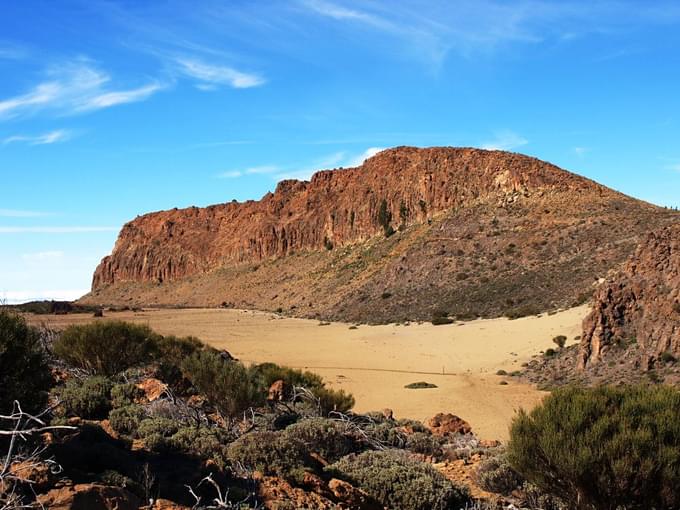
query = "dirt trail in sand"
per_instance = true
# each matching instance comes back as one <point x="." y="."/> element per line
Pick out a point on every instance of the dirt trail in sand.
<point x="376" y="362"/>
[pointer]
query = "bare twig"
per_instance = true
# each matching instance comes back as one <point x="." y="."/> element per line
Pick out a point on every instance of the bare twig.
<point x="221" y="501"/>
<point x="23" y="425"/>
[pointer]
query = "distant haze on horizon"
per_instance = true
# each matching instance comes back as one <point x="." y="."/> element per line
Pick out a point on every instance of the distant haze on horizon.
<point x="110" y="109"/>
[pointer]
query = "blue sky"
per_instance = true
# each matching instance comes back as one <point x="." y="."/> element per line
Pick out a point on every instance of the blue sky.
<point x="112" y="109"/>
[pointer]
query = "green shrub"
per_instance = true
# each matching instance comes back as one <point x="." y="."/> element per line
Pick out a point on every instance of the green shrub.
<point x="425" y="444"/>
<point x="88" y="398"/>
<point x="125" y="394"/>
<point x="420" y="385"/>
<point x="325" y="437"/>
<point x="226" y="384"/>
<point x="173" y="350"/>
<point x="411" y="425"/>
<point x="170" y="352"/>
<point x="266" y="374"/>
<point x="496" y="475"/>
<point x="106" y="347"/>
<point x="202" y="442"/>
<point x="333" y="400"/>
<point x="560" y="341"/>
<point x="550" y="353"/>
<point x="533" y="497"/>
<point x="271" y="453"/>
<point x="387" y="433"/>
<point x="162" y="426"/>
<point x="156" y="433"/>
<point x="24" y="374"/>
<point x="125" y="420"/>
<point x="166" y="435"/>
<point x="397" y="481"/>
<point x="602" y="448"/>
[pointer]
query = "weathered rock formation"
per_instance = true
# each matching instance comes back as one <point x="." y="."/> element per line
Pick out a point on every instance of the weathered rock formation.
<point x="335" y="208"/>
<point x="639" y="304"/>
<point x="478" y="233"/>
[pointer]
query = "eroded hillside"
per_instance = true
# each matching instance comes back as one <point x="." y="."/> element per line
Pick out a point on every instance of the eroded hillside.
<point x="475" y="233"/>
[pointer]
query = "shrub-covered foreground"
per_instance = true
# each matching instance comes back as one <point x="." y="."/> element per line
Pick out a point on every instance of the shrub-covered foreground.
<point x="156" y="414"/>
<point x="175" y="413"/>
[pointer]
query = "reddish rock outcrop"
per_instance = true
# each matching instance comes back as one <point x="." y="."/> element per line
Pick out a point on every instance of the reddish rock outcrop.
<point x="278" y="391"/>
<point x="89" y="496"/>
<point x="338" y="207"/>
<point x="479" y="233"/>
<point x="153" y="388"/>
<point x="444" y="424"/>
<point x="640" y="303"/>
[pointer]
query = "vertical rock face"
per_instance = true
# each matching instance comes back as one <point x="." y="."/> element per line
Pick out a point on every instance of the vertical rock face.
<point x="641" y="303"/>
<point x="336" y="208"/>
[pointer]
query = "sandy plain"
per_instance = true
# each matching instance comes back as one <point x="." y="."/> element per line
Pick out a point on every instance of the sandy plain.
<point x="374" y="363"/>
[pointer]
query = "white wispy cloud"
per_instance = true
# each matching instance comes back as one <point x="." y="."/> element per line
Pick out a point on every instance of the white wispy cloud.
<point x="55" y="230"/>
<point x="340" y="159"/>
<point x="60" y="135"/>
<point x="73" y="87"/>
<point x="254" y="170"/>
<point x="675" y="167"/>
<point x="210" y="76"/>
<point x="581" y="151"/>
<point x="368" y="153"/>
<point x="340" y="12"/>
<point x="304" y="171"/>
<point x="505" y="141"/>
<point x="108" y="99"/>
<point x="43" y="255"/>
<point x="22" y="296"/>
<point x="430" y="31"/>
<point x="21" y="213"/>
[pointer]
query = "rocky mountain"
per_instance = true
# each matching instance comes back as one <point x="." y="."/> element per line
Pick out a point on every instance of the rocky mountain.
<point x="639" y="304"/>
<point x="410" y="234"/>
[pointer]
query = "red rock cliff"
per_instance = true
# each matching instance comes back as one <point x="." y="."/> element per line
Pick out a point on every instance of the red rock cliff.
<point x="336" y="207"/>
<point x="641" y="302"/>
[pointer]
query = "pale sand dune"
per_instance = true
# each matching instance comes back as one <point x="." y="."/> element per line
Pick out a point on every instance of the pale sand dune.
<point x="375" y="362"/>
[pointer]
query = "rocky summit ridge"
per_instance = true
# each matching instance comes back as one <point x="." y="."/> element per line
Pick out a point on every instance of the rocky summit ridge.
<point x="409" y="234"/>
